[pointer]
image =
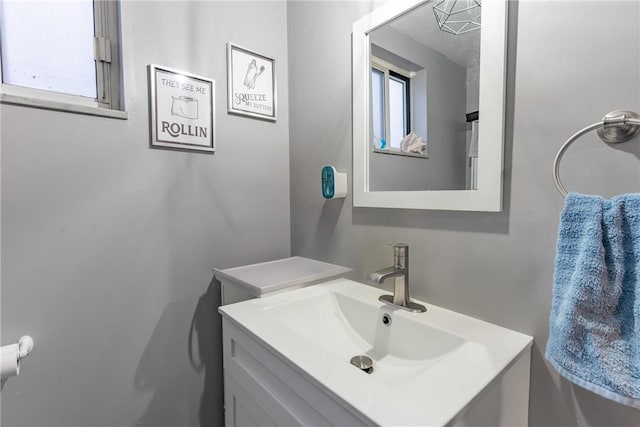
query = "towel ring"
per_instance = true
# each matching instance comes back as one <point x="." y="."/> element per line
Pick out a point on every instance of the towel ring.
<point x="616" y="127"/>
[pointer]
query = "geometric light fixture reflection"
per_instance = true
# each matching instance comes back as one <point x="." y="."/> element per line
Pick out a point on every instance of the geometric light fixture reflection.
<point x="457" y="16"/>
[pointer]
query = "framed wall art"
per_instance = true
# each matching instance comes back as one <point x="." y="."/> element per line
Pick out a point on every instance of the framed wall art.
<point x="251" y="83"/>
<point x="182" y="110"/>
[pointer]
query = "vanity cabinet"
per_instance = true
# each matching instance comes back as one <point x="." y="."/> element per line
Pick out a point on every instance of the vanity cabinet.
<point x="263" y="389"/>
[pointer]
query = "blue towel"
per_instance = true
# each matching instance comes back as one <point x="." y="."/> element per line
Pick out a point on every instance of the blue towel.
<point x="594" y="338"/>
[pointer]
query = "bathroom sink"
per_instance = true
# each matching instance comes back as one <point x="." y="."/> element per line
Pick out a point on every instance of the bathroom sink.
<point x="427" y="367"/>
<point x="346" y="324"/>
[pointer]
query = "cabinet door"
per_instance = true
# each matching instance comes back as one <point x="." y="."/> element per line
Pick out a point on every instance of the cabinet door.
<point x="241" y="410"/>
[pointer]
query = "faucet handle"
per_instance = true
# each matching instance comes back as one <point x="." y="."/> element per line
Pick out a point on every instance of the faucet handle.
<point x="399" y="249"/>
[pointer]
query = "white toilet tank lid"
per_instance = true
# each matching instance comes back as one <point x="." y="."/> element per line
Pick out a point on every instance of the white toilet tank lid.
<point x="271" y="276"/>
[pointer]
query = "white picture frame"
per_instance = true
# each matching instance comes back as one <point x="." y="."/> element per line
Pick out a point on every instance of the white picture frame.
<point x="251" y="83"/>
<point x="182" y="110"/>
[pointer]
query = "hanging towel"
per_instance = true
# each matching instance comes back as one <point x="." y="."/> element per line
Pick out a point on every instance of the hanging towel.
<point x="594" y="338"/>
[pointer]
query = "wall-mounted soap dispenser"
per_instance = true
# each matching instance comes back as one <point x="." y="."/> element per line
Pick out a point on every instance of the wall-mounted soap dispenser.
<point x="334" y="184"/>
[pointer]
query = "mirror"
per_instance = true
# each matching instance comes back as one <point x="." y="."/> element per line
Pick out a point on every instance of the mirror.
<point x="428" y="105"/>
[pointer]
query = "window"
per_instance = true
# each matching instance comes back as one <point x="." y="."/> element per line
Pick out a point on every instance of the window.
<point x="391" y="104"/>
<point x="399" y="113"/>
<point x="62" y="55"/>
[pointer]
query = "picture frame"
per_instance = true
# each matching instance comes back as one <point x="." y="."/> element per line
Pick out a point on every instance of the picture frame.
<point x="181" y="109"/>
<point x="251" y="83"/>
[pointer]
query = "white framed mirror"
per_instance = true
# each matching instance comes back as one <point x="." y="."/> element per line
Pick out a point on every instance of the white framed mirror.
<point x="429" y="80"/>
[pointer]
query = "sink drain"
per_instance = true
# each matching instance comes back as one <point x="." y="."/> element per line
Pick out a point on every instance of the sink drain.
<point x="364" y="363"/>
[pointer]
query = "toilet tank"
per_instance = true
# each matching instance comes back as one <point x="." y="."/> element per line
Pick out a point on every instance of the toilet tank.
<point x="272" y="277"/>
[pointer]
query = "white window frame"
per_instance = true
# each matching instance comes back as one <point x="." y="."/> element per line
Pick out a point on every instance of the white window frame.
<point x="385" y="67"/>
<point x="110" y="100"/>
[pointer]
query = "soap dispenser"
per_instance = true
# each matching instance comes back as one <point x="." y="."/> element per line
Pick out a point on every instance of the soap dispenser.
<point x="334" y="184"/>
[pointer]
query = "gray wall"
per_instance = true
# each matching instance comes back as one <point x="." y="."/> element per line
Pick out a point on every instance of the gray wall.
<point x="565" y="73"/>
<point x="473" y="89"/>
<point x="443" y="86"/>
<point x="108" y="246"/>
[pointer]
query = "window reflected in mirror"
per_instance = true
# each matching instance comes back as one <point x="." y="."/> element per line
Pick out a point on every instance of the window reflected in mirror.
<point x="424" y="99"/>
<point x="390" y="105"/>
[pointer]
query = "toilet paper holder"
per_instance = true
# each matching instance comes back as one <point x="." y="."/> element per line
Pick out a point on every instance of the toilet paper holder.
<point x="25" y="345"/>
<point x="24" y="348"/>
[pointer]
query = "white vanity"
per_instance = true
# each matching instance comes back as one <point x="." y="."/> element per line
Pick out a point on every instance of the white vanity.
<point x="287" y="363"/>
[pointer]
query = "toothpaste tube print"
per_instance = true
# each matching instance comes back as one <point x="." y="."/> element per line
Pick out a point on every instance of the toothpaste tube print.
<point x="251" y="83"/>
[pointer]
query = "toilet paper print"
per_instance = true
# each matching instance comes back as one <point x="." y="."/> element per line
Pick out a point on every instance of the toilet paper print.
<point x="182" y="110"/>
<point x="184" y="106"/>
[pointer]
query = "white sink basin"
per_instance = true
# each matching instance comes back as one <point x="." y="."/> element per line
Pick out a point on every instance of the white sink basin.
<point x="427" y="367"/>
<point x="346" y="326"/>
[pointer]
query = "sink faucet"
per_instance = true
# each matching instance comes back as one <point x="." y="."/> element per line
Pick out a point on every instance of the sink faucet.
<point x="400" y="272"/>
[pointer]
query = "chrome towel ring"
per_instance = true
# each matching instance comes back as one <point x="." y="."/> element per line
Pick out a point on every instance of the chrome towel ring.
<point x="616" y="127"/>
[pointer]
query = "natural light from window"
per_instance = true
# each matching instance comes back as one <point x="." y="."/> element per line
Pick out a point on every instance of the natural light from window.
<point x="397" y="113"/>
<point x="49" y="45"/>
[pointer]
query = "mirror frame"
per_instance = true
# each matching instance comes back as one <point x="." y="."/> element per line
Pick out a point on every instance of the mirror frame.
<point x="493" y="52"/>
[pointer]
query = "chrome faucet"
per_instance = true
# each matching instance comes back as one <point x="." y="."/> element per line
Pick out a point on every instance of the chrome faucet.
<point x="400" y="272"/>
